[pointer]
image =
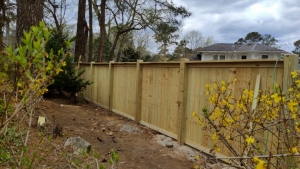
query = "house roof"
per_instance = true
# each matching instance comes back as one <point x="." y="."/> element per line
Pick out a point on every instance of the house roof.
<point x="240" y="47"/>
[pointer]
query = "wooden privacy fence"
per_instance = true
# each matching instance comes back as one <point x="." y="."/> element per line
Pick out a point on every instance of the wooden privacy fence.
<point x="163" y="95"/>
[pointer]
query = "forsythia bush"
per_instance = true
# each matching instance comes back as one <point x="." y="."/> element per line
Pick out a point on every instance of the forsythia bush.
<point x="260" y="131"/>
<point x="24" y="76"/>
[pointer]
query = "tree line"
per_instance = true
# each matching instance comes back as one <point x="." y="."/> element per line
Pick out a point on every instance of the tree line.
<point x="124" y="28"/>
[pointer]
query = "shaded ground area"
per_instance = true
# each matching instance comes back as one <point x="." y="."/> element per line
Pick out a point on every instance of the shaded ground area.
<point x="137" y="145"/>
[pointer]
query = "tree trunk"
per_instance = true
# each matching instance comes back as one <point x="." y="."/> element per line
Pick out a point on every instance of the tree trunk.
<point x="81" y="37"/>
<point x="111" y="55"/>
<point x="2" y="23"/>
<point x="7" y="30"/>
<point x="102" y="31"/>
<point x="121" y="45"/>
<point x="91" y="38"/>
<point x="29" y="13"/>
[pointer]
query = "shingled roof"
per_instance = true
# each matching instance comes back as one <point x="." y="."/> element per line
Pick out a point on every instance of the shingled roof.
<point x="240" y="47"/>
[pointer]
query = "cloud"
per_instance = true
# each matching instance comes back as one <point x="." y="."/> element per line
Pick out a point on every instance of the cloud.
<point x="229" y="20"/>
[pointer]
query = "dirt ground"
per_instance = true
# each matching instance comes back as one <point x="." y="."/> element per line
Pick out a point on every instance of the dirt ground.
<point x="137" y="145"/>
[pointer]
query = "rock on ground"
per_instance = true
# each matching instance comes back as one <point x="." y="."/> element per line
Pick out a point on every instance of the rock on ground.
<point x="78" y="144"/>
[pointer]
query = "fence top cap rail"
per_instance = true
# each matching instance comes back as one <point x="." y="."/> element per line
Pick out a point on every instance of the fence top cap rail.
<point x="238" y="61"/>
<point x="168" y="62"/>
<point x="178" y="62"/>
<point x="94" y="63"/>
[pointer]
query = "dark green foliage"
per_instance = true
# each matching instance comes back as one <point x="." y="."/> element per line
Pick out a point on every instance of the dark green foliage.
<point x="69" y="79"/>
<point x="165" y="32"/>
<point x="265" y="39"/>
<point x="147" y="58"/>
<point x="297" y="47"/>
<point x="253" y="37"/>
<point x="130" y="55"/>
<point x="107" y="48"/>
<point x="180" y="51"/>
<point x="8" y="151"/>
<point x="56" y="42"/>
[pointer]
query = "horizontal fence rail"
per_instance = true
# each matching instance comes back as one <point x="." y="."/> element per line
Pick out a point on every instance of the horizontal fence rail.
<point x="163" y="95"/>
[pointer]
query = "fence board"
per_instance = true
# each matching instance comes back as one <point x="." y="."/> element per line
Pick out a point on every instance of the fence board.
<point x="159" y="97"/>
<point x="101" y="85"/>
<point x="124" y="89"/>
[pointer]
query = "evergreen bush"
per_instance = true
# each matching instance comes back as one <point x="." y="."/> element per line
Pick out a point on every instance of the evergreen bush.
<point x="69" y="79"/>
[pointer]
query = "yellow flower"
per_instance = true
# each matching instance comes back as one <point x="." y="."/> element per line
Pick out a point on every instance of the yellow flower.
<point x="276" y="97"/>
<point x="229" y="120"/>
<point x="197" y="158"/>
<point x="295" y="150"/>
<point x="231" y="107"/>
<point x="194" y="114"/>
<point x="223" y="82"/>
<point x="200" y="122"/>
<point x="264" y="97"/>
<point x="215" y="85"/>
<point x="58" y="70"/>
<point x="214" y="136"/>
<point x="212" y="99"/>
<point x="298" y="95"/>
<point x="293" y="115"/>
<point x="260" y="163"/>
<point x="223" y="89"/>
<point x="196" y="166"/>
<point x="207" y="86"/>
<point x="19" y="84"/>
<point x="48" y="68"/>
<point x="249" y="140"/>
<point x="63" y="63"/>
<point x="291" y="105"/>
<point x="294" y="74"/>
<point x="21" y="91"/>
<point x="216" y="148"/>
<point x="215" y="114"/>
<point x="206" y="92"/>
<point x="234" y="80"/>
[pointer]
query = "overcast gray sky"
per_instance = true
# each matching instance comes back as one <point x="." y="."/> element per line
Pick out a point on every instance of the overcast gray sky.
<point x="229" y="20"/>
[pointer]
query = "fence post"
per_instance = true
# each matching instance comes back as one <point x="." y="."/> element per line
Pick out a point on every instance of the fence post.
<point x="138" y="97"/>
<point x="290" y="64"/>
<point x="79" y="61"/>
<point x="111" y="82"/>
<point x="182" y="101"/>
<point x="92" y="79"/>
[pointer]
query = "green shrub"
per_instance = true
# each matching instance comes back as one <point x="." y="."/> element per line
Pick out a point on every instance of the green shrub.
<point x="69" y="79"/>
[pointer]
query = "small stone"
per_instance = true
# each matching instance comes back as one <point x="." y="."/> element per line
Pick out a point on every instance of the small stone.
<point x="169" y="145"/>
<point x="78" y="144"/>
